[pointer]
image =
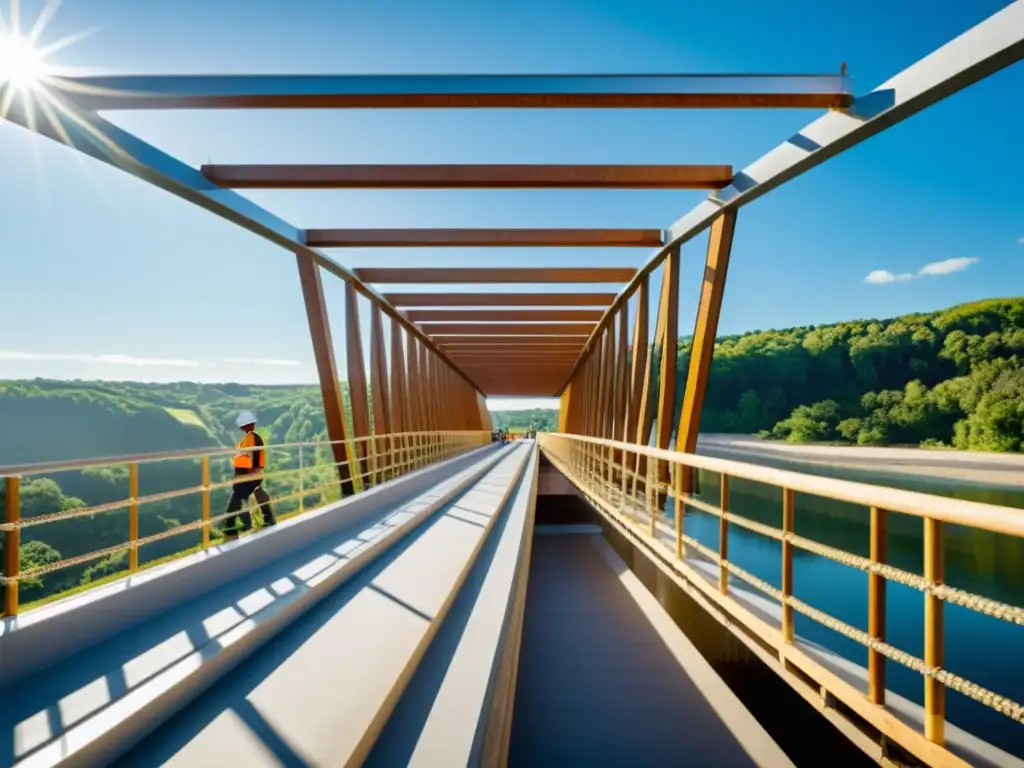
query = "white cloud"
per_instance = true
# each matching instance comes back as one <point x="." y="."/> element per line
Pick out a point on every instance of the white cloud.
<point x="261" y="361"/>
<point x="947" y="267"/>
<point x="934" y="269"/>
<point x="140" y="362"/>
<point x="882" y="276"/>
<point x="1021" y="241"/>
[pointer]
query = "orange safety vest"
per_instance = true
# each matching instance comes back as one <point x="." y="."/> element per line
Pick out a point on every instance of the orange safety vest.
<point x="249" y="459"/>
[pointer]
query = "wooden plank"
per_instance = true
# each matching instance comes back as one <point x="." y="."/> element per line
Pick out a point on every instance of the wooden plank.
<point x="454" y="238"/>
<point x="500" y="299"/>
<point x="504" y="176"/>
<point x="510" y="329"/>
<point x="702" y="348"/>
<point x="357" y="389"/>
<point x="327" y="370"/>
<point x="504" y="315"/>
<point x="479" y="275"/>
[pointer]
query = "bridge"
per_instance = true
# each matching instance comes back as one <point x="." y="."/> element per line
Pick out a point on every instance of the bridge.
<point x="602" y="595"/>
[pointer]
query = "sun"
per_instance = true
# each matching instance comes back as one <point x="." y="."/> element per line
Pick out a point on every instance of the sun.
<point x="21" y="65"/>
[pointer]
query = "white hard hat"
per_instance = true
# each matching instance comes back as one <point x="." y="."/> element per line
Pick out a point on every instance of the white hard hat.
<point x="245" y="417"/>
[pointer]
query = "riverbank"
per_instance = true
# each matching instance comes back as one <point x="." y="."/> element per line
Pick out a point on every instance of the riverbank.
<point x="991" y="470"/>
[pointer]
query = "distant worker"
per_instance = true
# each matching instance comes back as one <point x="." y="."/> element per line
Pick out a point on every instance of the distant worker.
<point x="246" y="462"/>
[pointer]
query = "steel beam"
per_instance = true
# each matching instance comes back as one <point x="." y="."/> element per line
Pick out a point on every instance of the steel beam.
<point x="455" y="91"/>
<point x="496" y="274"/>
<point x="455" y="238"/>
<point x="100" y="139"/>
<point x="500" y="299"/>
<point x="988" y="47"/>
<point x="468" y="176"/>
<point x="504" y="315"/>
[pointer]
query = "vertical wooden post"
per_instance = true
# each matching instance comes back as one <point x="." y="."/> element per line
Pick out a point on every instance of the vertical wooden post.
<point x="564" y="407"/>
<point x="204" y="468"/>
<point x="702" y="348"/>
<point x="621" y="383"/>
<point x="399" y="398"/>
<point x="645" y="417"/>
<point x="415" y="413"/>
<point x="302" y="484"/>
<point x="608" y="415"/>
<point x="379" y="389"/>
<point x="934" y="634"/>
<point x="669" y="322"/>
<point x="630" y="428"/>
<point x="787" y="564"/>
<point x="677" y="506"/>
<point x="327" y="371"/>
<point x="133" y="517"/>
<point x="12" y="543"/>
<point x="357" y="389"/>
<point x="876" y="605"/>
<point x="723" y="533"/>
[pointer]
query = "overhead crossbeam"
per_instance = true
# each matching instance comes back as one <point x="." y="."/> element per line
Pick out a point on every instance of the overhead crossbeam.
<point x="456" y="343"/>
<point x="504" y="315"/>
<point x="514" y="354"/>
<point x="496" y="274"/>
<point x="456" y="91"/>
<point x="508" y="329"/>
<point x="469" y="176"/>
<point x="500" y="299"/>
<point x="491" y="238"/>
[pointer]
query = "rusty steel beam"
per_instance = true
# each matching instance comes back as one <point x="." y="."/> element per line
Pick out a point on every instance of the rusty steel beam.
<point x="500" y="299"/>
<point x="504" y="315"/>
<point x="496" y="274"/>
<point x="469" y="176"/>
<point x="448" y="238"/>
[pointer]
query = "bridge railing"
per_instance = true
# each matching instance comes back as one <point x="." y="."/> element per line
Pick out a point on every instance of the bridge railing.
<point x="307" y="472"/>
<point x="637" y="488"/>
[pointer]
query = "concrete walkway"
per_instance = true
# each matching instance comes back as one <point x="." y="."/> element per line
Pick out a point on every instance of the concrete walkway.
<point x="607" y="679"/>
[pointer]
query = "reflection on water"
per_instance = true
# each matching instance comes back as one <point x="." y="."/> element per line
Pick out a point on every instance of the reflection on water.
<point x="985" y="650"/>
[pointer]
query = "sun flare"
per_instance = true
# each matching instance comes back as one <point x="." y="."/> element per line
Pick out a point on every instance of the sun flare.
<point x="21" y="65"/>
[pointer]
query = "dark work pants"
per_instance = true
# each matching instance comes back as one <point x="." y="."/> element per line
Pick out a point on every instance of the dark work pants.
<point x="242" y="491"/>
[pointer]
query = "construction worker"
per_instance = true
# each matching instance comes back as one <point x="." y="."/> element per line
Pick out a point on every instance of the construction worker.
<point x="246" y="462"/>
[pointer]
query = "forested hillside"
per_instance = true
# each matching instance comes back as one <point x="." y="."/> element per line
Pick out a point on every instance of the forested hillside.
<point x="540" y="419"/>
<point x="58" y="420"/>
<point x="954" y="377"/>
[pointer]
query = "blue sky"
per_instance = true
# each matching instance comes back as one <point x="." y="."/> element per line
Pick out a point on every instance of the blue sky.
<point x="96" y="263"/>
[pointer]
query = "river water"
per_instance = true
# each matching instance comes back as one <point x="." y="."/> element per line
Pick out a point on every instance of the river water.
<point x="985" y="650"/>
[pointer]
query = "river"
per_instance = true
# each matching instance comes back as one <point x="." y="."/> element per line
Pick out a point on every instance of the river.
<point x="985" y="650"/>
